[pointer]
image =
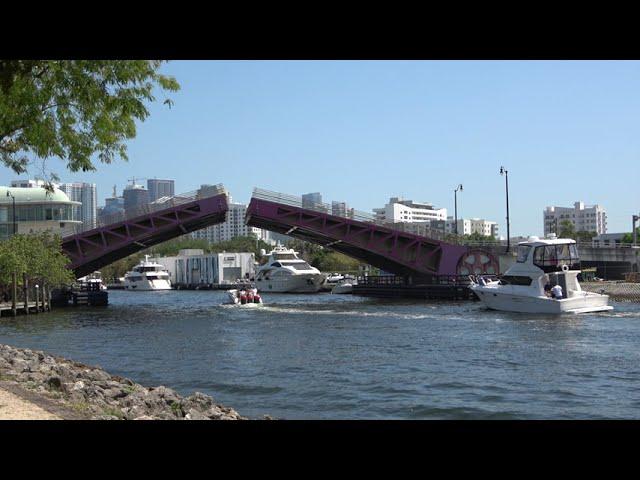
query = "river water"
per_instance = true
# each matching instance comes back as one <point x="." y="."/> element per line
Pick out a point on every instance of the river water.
<point x="345" y="357"/>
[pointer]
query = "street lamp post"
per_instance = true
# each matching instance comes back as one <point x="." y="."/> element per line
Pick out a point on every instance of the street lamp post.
<point x="503" y="171"/>
<point x="455" y="201"/>
<point x="14" y="211"/>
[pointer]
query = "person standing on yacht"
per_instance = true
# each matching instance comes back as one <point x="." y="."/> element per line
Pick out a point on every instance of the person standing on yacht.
<point x="556" y="292"/>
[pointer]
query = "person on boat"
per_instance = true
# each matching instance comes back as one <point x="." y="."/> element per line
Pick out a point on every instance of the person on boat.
<point x="547" y="290"/>
<point x="556" y="292"/>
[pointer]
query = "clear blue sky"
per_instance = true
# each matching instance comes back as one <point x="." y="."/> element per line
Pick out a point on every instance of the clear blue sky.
<point x="364" y="131"/>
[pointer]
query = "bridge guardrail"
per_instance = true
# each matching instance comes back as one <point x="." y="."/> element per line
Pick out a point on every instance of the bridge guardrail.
<point x="167" y="202"/>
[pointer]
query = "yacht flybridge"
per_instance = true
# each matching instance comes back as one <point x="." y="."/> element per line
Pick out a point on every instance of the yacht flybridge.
<point x="541" y="266"/>
<point x="284" y="272"/>
<point x="147" y="276"/>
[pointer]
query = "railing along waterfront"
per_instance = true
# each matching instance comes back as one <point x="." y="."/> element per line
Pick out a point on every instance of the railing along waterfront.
<point x="162" y="203"/>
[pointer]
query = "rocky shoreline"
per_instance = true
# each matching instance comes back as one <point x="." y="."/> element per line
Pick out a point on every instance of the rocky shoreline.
<point x="91" y="393"/>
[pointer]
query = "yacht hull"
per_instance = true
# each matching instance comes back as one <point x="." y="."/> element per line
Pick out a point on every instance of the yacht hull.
<point x="303" y="283"/>
<point x="582" y="302"/>
<point x="147" y="285"/>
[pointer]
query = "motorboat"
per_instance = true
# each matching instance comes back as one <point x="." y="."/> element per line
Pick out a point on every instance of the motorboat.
<point x="244" y="295"/>
<point x="93" y="281"/>
<point x="284" y="272"/>
<point x="147" y="275"/>
<point x="345" y="286"/>
<point x="541" y="265"/>
<point x="331" y="280"/>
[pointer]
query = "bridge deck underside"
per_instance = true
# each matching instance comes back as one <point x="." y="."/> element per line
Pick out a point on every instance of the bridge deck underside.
<point x="391" y="250"/>
<point x="89" y="251"/>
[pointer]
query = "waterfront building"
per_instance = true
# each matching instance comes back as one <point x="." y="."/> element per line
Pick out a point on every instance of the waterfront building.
<point x="468" y="226"/>
<point x="234" y="226"/>
<point x="36" y="210"/>
<point x="194" y="267"/>
<point x="407" y="211"/>
<point x="160" y="188"/>
<point x="135" y="196"/>
<point x="87" y="195"/>
<point x="584" y="218"/>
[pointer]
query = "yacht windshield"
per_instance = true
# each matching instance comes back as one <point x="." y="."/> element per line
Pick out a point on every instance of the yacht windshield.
<point x="297" y="265"/>
<point x="551" y="257"/>
<point x="523" y="253"/>
<point x="284" y="256"/>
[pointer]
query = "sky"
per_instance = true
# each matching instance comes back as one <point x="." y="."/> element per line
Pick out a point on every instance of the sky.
<point x="364" y="131"/>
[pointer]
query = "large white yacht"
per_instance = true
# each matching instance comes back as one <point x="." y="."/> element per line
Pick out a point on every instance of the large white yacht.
<point x="540" y="266"/>
<point x="147" y="276"/>
<point x="284" y="272"/>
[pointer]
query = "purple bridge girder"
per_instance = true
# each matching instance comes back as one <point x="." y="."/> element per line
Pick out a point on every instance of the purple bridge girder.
<point x="91" y="250"/>
<point x="394" y="251"/>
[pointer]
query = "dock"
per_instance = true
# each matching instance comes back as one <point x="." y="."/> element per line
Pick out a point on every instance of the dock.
<point x="436" y="287"/>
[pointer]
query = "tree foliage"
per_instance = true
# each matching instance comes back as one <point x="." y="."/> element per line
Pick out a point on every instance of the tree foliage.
<point x="74" y="109"/>
<point x="38" y="255"/>
<point x="567" y="229"/>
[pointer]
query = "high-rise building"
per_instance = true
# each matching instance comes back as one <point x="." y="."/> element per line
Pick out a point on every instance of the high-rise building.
<point x="87" y="195"/>
<point x="233" y="227"/>
<point x="135" y="197"/>
<point x="407" y="211"/>
<point x="311" y="199"/>
<point x="160" y="188"/>
<point x="584" y="218"/>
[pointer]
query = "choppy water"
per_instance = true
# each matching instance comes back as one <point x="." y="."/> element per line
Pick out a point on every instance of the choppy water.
<point x="343" y="357"/>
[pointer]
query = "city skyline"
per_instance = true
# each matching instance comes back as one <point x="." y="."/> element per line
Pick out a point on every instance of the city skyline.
<point x="361" y="132"/>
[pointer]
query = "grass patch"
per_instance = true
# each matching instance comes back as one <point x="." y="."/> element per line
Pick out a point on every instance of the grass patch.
<point x="80" y="407"/>
<point x="130" y="389"/>
<point x="6" y="376"/>
<point x="176" y="408"/>
<point x="114" y="412"/>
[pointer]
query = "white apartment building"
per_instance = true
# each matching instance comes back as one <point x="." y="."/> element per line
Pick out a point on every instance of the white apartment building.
<point x="468" y="226"/>
<point x="232" y="227"/>
<point x="87" y="195"/>
<point x="584" y="218"/>
<point x="408" y="211"/>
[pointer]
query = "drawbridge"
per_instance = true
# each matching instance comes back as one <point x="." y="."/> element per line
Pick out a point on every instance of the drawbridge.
<point x="361" y="236"/>
<point x="122" y="234"/>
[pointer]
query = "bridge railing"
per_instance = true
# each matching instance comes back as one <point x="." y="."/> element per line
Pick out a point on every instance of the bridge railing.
<point x="337" y="210"/>
<point x="162" y="203"/>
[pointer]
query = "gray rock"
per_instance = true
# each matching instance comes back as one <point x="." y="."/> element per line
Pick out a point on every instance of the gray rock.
<point x="194" y="414"/>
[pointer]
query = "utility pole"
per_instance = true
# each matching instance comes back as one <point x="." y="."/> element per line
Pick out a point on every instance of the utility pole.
<point x="455" y="200"/>
<point x="503" y="171"/>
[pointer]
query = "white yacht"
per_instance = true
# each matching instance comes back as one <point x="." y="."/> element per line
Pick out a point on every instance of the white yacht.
<point x="147" y="276"/>
<point x="540" y="266"/>
<point x="286" y="273"/>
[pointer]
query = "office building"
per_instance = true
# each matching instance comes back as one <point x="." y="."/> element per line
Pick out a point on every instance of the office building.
<point x="400" y="210"/>
<point x="135" y="197"/>
<point x="584" y="218"/>
<point x="309" y="200"/>
<point x="232" y="227"/>
<point x="87" y="195"/>
<point x="159" y="188"/>
<point x="468" y="226"/>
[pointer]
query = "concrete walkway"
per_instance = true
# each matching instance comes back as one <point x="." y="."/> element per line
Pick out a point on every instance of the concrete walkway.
<point x="13" y="407"/>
